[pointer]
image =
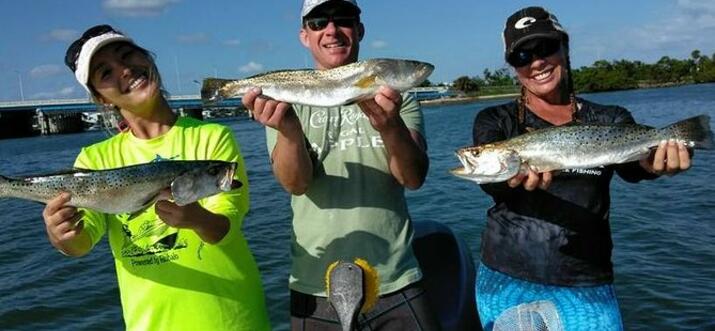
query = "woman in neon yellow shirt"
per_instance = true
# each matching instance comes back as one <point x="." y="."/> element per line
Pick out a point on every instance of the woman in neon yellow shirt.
<point x="178" y="267"/>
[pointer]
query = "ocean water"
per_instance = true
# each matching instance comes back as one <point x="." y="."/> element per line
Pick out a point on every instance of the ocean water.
<point x="663" y="230"/>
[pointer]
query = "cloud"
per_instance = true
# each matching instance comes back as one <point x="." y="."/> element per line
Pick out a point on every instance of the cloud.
<point x="681" y="27"/>
<point x="232" y="42"/>
<point x="378" y="44"/>
<point x="138" y="7"/>
<point x="61" y="93"/>
<point x="63" y="35"/>
<point x="45" y="70"/>
<point x="690" y="26"/>
<point x="697" y="7"/>
<point x="251" y="67"/>
<point x="193" y="38"/>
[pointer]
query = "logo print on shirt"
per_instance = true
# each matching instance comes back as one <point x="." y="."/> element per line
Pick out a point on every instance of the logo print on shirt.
<point x="344" y="129"/>
<point x="150" y="239"/>
<point x="159" y="158"/>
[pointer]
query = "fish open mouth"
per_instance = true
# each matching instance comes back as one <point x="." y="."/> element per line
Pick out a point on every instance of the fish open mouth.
<point x="459" y="172"/>
<point x="227" y="183"/>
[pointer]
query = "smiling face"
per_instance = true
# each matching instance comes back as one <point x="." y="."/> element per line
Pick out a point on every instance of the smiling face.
<point x="543" y="76"/>
<point x="124" y="75"/>
<point x="335" y="44"/>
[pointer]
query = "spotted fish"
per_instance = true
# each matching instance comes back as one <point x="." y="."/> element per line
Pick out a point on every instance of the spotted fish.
<point x="327" y="88"/>
<point x="128" y="189"/>
<point x="575" y="147"/>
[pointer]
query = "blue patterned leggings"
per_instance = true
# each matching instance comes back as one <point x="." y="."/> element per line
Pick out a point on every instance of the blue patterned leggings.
<point x="579" y="308"/>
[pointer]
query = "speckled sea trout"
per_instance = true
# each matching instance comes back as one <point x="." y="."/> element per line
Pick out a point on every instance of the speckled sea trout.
<point x="327" y="88"/>
<point x="575" y="147"/>
<point x="127" y="189"/>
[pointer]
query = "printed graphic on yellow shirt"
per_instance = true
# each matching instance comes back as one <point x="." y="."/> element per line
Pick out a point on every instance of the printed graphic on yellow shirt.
<point x="149" y="236"/>
<point x="145" y="234"/>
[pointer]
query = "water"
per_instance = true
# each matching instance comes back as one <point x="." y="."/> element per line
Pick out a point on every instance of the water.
<point x="663" y="231"/>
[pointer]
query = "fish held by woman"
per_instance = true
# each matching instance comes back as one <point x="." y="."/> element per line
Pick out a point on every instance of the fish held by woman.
<point x="575" y="147"/>
<point x="127" y="189"/>
<point x="325" y="88"/>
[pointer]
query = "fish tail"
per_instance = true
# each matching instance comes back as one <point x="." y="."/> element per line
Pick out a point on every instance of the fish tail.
<point x="695" y="130"/>
<point x="212" y="90"/>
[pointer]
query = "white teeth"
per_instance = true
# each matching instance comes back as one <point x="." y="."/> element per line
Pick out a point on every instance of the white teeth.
<point x="134" y="83"/>
<point x="543" y="75"/>
<point x="334" y="45"/>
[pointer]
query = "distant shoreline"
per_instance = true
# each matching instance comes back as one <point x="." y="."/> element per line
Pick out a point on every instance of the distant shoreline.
<point x="465" y="100"/>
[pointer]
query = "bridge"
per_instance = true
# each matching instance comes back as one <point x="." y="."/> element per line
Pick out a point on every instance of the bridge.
<point x="86" y="105"/>
<point x="26" y="118"/>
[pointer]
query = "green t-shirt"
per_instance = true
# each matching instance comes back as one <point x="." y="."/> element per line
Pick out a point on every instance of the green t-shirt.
<point x="354" y="207"/>
<point x="169" y="279"/>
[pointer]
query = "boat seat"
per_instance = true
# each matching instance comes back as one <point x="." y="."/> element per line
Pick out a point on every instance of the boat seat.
<point x="448" y="275"/>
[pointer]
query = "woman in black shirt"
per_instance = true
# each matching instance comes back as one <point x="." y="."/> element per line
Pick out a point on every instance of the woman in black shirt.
<point x="547" y="238"/>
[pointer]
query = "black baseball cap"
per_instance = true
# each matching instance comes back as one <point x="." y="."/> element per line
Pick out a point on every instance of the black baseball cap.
<point x="531" y="23"/>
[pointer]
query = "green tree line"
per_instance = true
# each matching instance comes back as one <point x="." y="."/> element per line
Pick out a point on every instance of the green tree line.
<point x="605" y="76"/>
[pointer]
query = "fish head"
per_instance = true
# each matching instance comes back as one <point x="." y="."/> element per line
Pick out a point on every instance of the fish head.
<point x="209" y="178"/>
<point x="487" y="164"/>
<point x="401" y="74"/>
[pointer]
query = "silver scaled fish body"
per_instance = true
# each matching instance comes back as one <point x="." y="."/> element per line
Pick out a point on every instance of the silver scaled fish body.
<point x="127" y="189"/>
<point x="575" y="147"/>
<point x="325" y="88"/>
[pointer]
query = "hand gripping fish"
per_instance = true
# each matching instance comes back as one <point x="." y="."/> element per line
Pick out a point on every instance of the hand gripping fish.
<point x="128" y="189"/>
<point x="325" y="88"/>
<point x="575" y="147"/>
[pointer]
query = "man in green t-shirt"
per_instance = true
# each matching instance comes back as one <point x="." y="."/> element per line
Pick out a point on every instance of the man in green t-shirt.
<point x="346" y="168"/>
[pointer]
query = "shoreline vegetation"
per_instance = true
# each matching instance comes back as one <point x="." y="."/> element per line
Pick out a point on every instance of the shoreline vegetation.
<point x="601" y="76"/>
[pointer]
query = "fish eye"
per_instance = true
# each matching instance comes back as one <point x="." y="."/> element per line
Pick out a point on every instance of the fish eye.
<point x="213" y="171"/>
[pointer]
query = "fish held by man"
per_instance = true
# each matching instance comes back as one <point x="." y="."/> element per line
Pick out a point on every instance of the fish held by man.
<point x="127" y="189"/>
<point x="575" y="147"/>
<point x="325" y="88"/>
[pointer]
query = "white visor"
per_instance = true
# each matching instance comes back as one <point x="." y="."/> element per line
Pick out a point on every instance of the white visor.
<point x="88" y="49"/>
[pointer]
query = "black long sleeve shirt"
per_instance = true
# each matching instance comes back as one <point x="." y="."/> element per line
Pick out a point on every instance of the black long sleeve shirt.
<point x="559" y="236"/>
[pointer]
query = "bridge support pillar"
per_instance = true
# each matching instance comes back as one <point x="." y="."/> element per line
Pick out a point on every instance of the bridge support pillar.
<point x="192" y="112"/>
<point x="54" y="123"/>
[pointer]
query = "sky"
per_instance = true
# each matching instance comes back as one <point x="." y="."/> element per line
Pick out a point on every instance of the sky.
<point x="194" y="39"/>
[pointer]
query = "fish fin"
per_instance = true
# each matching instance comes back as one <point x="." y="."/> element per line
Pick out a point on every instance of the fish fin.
<point x="366" y="82"/>
<point x="137" y="213"/>
<point x="62" y="172"/>
<point x="148" y="203"/>
<point x="695" y="130"/>
<point x="280" y="71"/>
<point x="357" y="99"/>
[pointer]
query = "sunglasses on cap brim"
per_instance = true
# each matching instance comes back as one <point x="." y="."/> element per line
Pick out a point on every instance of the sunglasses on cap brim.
<point x="526" y="54"/>
<point x="76" y="47"/>
<point x="320" y="23"/>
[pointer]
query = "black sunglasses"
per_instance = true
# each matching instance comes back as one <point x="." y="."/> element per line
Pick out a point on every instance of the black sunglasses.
<point x="76" y="47"/>
<point x="319" y="23"/>
<point x="542" y="49"/>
